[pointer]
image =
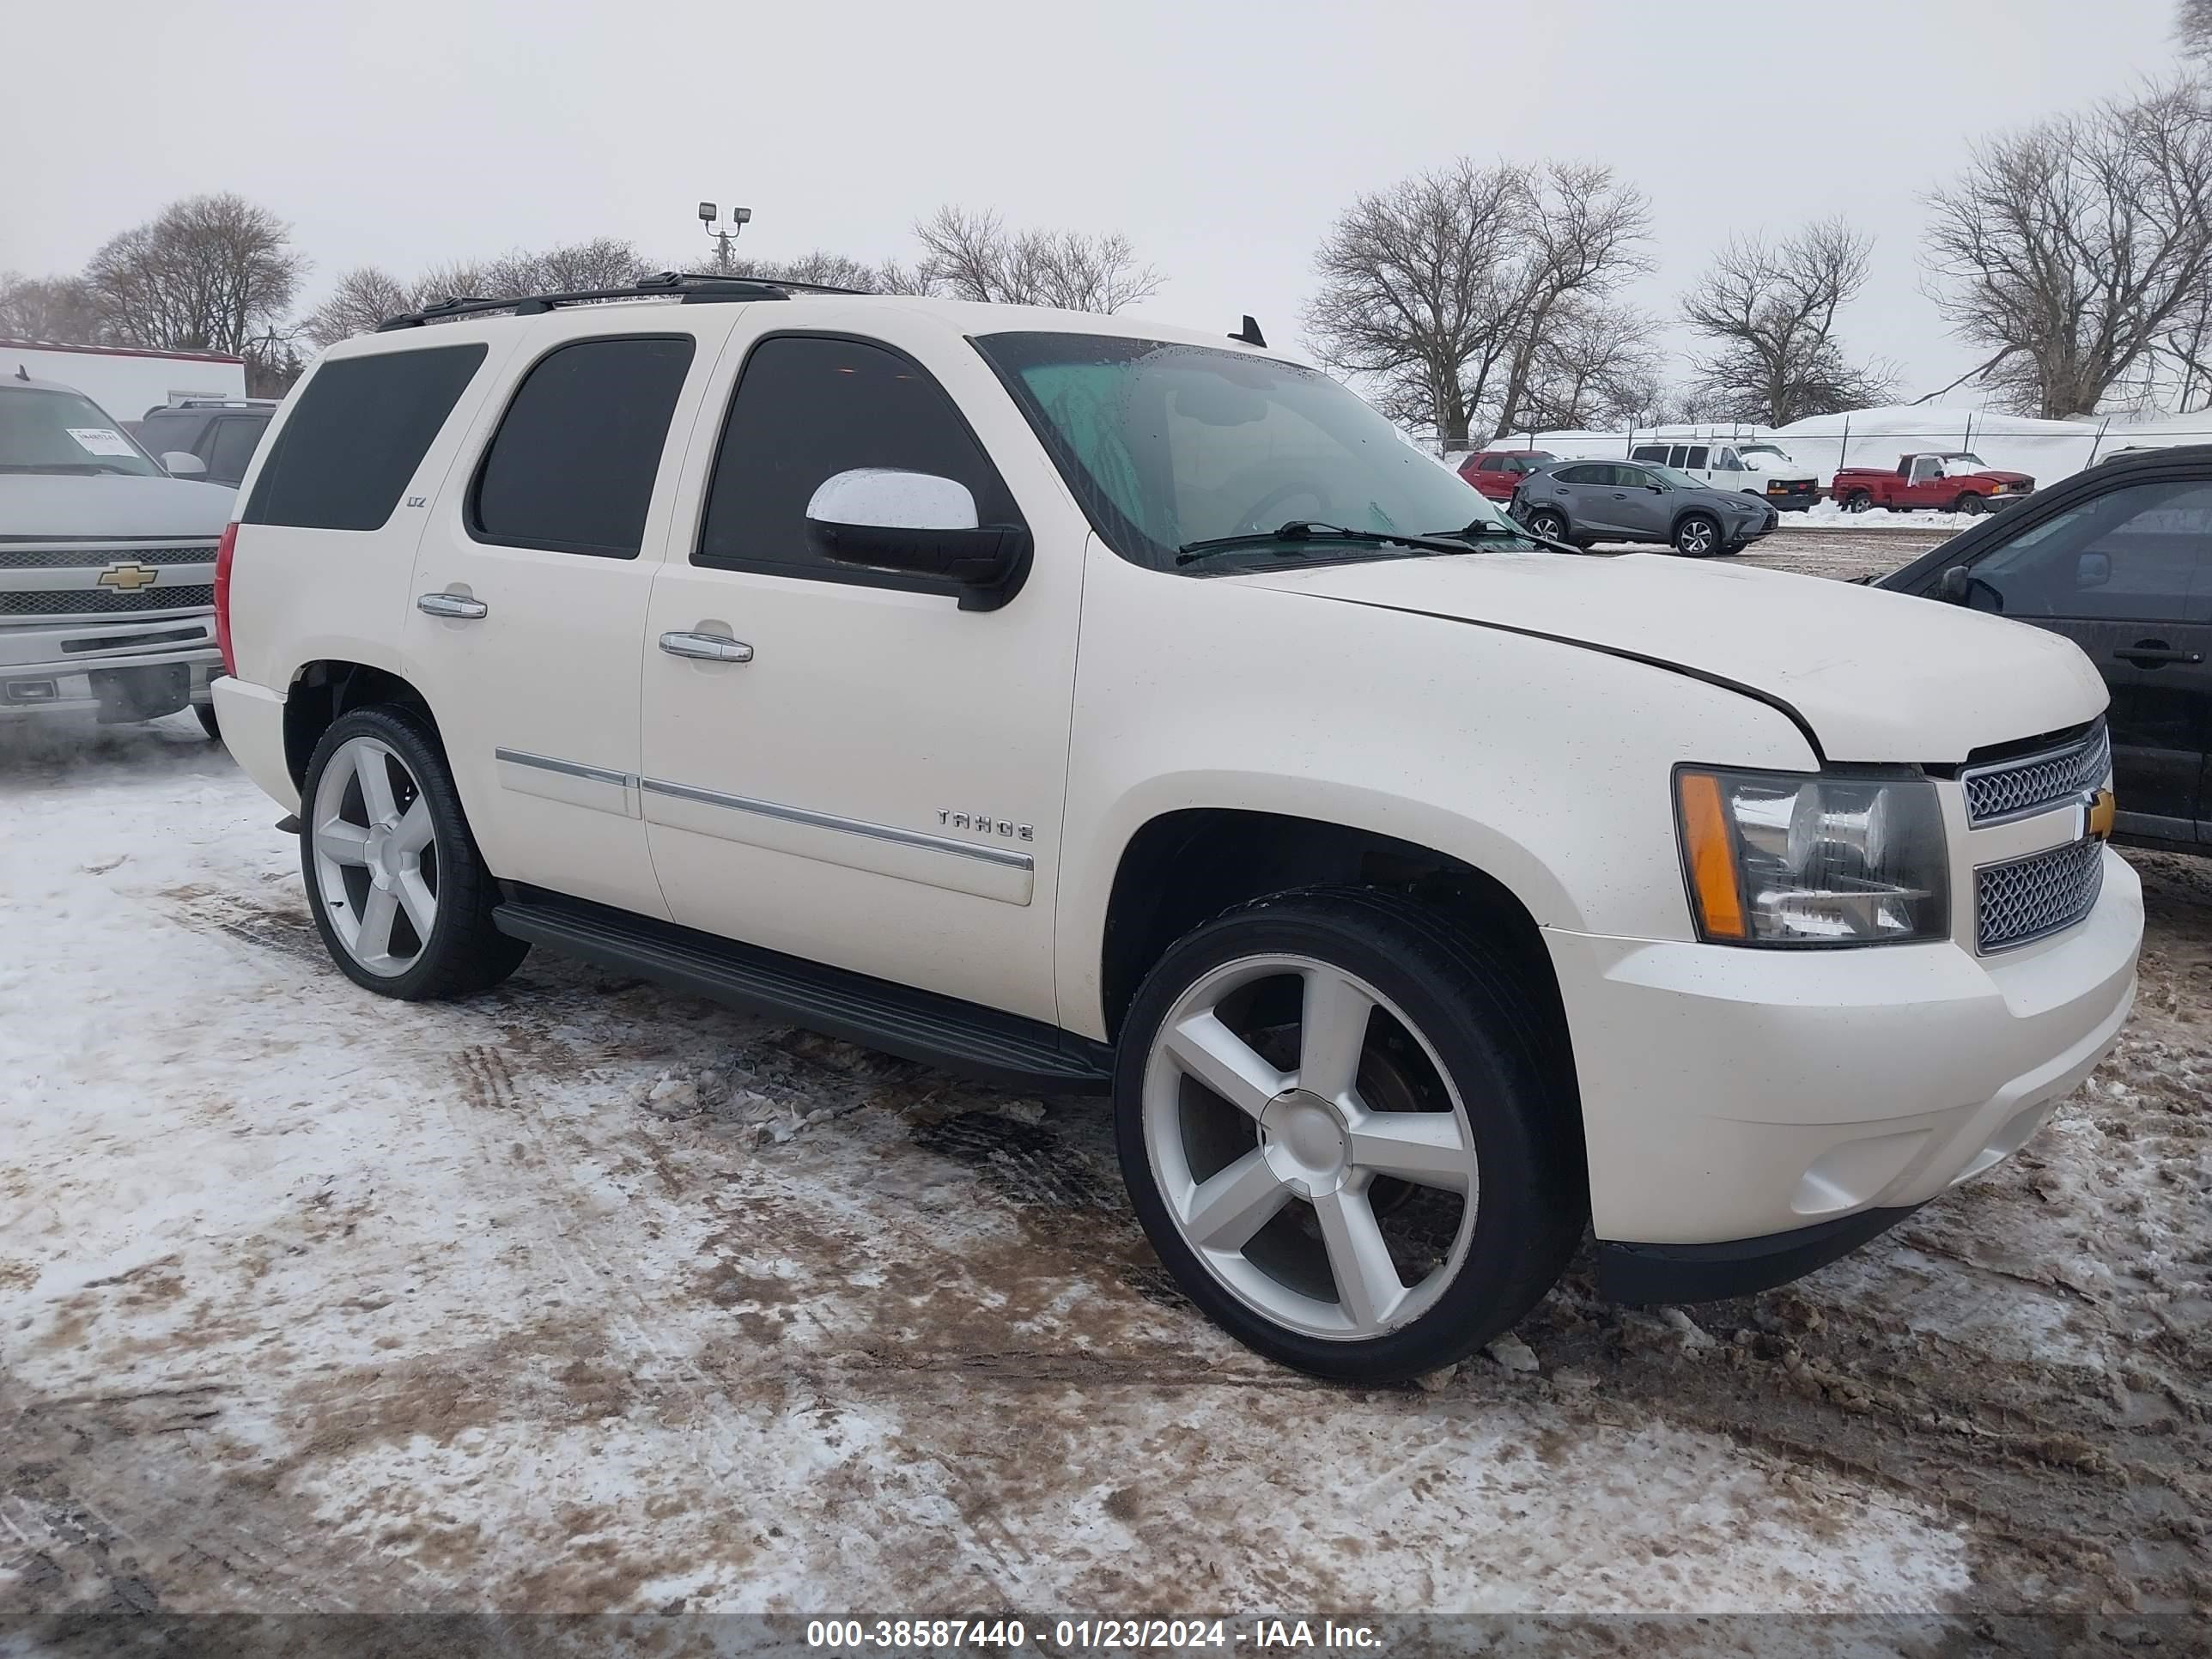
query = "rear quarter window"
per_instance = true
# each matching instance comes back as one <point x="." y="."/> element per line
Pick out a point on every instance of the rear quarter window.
<point x="361" y="427"/>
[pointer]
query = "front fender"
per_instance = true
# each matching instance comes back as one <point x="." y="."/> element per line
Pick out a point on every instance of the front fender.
<point x="1544" y="765"/>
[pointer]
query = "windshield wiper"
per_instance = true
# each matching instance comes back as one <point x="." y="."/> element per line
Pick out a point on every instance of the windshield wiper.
<point x="1518" y="531"/>
<point x="1311" y="530"/>
<point x="66" y="469"/>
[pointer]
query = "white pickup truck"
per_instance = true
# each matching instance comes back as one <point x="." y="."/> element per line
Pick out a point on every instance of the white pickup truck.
<point x="107" y="566"/>
<point x="1097" y="705"/>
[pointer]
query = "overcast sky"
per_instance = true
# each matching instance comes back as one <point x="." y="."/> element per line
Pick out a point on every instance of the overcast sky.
<point x="1222" y="138"/>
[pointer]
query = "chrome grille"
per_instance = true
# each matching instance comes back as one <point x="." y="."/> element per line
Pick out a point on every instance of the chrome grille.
<point x="2035" y="783"/>
<point x="94" y="555"/>
<point x="2027" y="898"/>
<point x="97" y="601"/>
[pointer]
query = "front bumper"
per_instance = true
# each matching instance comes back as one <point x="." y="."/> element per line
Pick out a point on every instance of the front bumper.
<point x="1731" y="1095"/>
<point x="132" y="682"/>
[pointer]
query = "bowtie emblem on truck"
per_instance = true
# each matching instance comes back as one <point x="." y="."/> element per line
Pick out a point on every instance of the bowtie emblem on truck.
<point x="128" y="576"/>
<point x="2101" y="809"/>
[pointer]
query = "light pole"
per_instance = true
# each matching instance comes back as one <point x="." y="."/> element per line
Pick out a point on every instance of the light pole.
<point x="739" y="218"/>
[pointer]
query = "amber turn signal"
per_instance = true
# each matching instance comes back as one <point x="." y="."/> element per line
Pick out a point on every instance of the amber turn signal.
<point x="1710" y="856"/>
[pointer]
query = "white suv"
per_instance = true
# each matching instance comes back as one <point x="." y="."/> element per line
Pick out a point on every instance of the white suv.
<point x="1092" y="705"/>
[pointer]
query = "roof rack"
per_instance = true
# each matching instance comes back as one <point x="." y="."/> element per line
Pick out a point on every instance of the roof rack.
<point x="688" y="287"/>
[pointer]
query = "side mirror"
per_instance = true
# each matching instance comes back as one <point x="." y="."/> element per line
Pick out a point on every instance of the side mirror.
<point x="916" y="523"/>
<point x="182" y="464"/>
<point x="2092" y="570"/>
<point x="1657" y="489"/>
<point x="1957" y="584"/>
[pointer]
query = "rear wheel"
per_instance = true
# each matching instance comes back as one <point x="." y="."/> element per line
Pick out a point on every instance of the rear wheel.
<point x="1859" y="501"/>
<point x="1697" y="537"/>
<point x="1342" y="1134"/>
<point x="1548" y="523"/>
<point x="399" y="890"/>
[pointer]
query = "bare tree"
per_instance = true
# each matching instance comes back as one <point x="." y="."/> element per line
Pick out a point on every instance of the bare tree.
<point x="211" y="273"/>
<point x="1769" y="309"/>
<point x="2193" y="29"/>
<point x="56" y="308"/>
<point x="1440" y="292"/>
<point x="973" y="256"/>
<point x="835" y="270"/>
<point x="364" y="297"/>
<point x="1598" y="365"/>
<point x="2075" y="250"/>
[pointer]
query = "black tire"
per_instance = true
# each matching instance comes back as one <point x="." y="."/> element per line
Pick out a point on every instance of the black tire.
<point x="1732" y="549"/>
<point x="466" y="953"/>
<point x="1859" y="501"/>
<point x="1969" y="503"/>
<point x="1550" y="522"/>
<point x="1697" y="536"/>
<point x="205" y="712"/>
<point x="1515" y="1078"/>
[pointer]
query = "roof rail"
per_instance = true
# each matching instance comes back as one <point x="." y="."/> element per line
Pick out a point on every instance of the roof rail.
<point x="690" y="286"/>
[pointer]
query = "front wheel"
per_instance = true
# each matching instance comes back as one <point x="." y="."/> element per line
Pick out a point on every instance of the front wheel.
<point x="1697" y="537"/>
<point x="399" y="890"/>
<point x="1968" y="503"/>
<point x="1347" y="1133"/>
<point x="205" y="713"/>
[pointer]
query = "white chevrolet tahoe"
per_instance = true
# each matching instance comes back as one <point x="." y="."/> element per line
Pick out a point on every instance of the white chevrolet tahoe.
<point x="1096" y="706"/>
<point x="106" y="563"/>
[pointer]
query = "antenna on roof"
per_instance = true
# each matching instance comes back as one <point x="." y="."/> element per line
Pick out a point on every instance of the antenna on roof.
<point x="22" y="373"/>
<point x="1249" y="334"/>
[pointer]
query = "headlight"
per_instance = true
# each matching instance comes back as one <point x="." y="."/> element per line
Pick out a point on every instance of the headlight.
<point x="1783" y="858"/>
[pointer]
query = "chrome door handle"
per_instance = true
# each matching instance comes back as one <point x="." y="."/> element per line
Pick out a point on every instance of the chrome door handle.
<point x="707" y="647"/>
<point x="459" y="606"/>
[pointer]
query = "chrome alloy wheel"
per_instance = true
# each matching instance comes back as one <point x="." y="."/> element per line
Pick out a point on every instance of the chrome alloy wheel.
<point x="1310" y="1146"/>
<point x="376" y="857"/>
<point x="1696" y="539"/>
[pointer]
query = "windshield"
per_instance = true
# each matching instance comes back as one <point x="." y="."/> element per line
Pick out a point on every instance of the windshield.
<point x="1170" y="445"/>
<point x="49" y="430"/>
<point x="1764" y="452"/>
<point x="1958" y="457"/>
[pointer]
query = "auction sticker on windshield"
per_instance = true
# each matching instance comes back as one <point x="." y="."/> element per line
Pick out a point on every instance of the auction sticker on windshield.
<point x="100" y="440"/>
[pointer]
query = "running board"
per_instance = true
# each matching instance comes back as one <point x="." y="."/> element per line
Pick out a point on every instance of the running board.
<point x="995" y="1048"/>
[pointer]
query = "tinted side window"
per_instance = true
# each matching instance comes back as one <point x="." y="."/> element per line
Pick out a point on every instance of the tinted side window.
<point x="808" y="407"/>
<point x="1631" y="478"/>
<point x="1697" y="455"/>
<point x="1583" y="475"/>
<point x="1650" y="452"/>
<point x="1492" y="463"/>
<point x="231" y="449"/>
<point x="572" y="465"/>
<point x="161" y="432"/>
<point x="2141" y="553"/>
<point x="361" y="427"/>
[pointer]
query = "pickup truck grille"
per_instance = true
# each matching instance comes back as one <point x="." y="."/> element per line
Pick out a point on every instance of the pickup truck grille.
<point x="97" y="601"/>
<point x="95" y="556"/>
<point x="2029" y="898"/>
<point x="2035" y="783"/>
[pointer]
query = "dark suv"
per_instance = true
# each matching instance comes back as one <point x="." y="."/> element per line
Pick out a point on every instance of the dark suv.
<point x="221" y="434"/>
<point x="1586" y="501"/>
<point x="2119" y="560"/>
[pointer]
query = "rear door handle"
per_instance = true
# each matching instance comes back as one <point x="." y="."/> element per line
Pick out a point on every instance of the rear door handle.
<point x="707" y="647"/>
<point x="2148" y="653"/>
<point x="459" y="606"/>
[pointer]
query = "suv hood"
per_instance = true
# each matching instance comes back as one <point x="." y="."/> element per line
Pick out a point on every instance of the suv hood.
<point x="108" y="504"/>
<point x="1876" y="675"/>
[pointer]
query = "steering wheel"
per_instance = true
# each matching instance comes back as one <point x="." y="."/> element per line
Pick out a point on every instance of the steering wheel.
<point x="1268" y="514"/>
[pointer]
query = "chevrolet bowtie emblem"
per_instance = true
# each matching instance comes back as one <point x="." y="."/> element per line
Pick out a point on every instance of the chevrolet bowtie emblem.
<point x="128" y="576"/>
<point x="2103" y="809"/>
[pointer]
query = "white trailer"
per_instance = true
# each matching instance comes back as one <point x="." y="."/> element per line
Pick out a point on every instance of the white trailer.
<point x="126" y="381"/>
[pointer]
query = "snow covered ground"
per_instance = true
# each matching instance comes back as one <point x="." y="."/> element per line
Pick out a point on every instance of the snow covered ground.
<point x="584" y="1296"/>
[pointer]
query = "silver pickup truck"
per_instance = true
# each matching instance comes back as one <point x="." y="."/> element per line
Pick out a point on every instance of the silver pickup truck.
<point x="107" y="566"/>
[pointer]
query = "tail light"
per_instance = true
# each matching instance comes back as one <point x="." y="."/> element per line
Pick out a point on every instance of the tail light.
<point x="222" y="555"/>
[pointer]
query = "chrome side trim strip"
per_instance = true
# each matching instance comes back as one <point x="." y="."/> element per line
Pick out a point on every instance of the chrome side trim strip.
<point x="768" y="809"/>
<point x="567" y="769"/>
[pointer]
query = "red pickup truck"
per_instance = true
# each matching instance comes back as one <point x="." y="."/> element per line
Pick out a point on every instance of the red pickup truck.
<point x="1955" y="481"/>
